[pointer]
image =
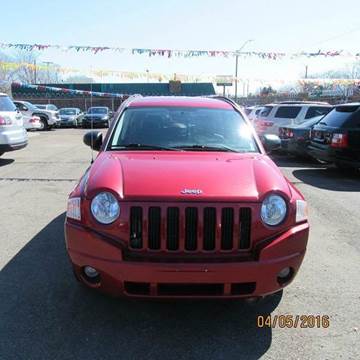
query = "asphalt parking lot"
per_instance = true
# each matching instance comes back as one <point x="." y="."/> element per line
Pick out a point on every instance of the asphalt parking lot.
<point x="46" y="314"/>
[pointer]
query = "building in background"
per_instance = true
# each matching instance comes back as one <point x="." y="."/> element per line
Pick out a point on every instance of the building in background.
<point x="69" y="99"/>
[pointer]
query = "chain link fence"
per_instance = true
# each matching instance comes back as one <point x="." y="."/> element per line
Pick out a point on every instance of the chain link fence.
<point x="82" y="103"/>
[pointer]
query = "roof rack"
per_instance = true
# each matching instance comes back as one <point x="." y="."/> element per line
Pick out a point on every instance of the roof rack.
<point x="290" y="102"/>
<point x="127" y="101"/>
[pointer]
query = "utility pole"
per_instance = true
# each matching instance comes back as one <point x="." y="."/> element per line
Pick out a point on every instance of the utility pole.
<point x="237" y="65"/>
<point x="34" y="71"/>
<point x="306" y="71"/>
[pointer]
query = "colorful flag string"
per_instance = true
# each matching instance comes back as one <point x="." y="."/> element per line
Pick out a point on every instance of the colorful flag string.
<point x="169" y="53"/>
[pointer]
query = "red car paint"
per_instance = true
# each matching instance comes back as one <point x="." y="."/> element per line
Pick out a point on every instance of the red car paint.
<point x="153" y="179"/>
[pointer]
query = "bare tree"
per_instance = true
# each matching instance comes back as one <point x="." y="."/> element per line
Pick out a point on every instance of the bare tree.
<point x="351" y="71"/>
<point x="7" y="75"/>
<point x="28" y="69"/>
<point x="79" y="79"/>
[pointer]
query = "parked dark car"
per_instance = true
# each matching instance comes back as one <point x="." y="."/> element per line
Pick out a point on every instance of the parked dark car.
<point x="70" y="117"/>
<point x="99" y="116"/>
<point x="296" y="138"/>
<point x="336" y="138"/>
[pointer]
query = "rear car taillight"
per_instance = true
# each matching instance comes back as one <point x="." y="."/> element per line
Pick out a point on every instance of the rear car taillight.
<point x="5" y="121"/>
<point x="285" y="133"/>
<point x="263" y="123"/>
<point x="34" y="119"/>
<point x="339" y="141"/>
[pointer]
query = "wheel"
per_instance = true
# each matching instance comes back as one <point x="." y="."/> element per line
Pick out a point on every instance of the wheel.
<point x="44" y="124"/>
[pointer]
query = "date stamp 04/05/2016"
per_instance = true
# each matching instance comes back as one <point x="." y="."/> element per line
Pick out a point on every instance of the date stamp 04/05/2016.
<point x="293" y="321"/>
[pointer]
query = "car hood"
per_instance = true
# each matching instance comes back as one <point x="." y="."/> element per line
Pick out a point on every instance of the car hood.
<point x="165" y="176"/>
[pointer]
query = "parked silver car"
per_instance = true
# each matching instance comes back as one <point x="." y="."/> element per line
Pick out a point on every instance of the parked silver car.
<point x="70" y="117"/>
<point x="13" y="135"/>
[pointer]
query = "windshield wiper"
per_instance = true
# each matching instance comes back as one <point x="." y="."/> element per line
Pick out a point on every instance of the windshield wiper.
<point x="206" y="148"/>
<point x="142" y="147"/>
<point x="323" y="123"/>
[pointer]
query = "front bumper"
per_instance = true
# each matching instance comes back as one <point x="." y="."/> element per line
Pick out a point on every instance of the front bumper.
<point x="253" y="278"/>
<point x="13" y="139"/>
<point x="95" y="123"/>
<point x="67" y="123"/>
<point x="12" y="147"/>
<point x="53" y="121"/>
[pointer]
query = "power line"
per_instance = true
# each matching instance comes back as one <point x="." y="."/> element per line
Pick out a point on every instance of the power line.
<point x="337" y="36"/>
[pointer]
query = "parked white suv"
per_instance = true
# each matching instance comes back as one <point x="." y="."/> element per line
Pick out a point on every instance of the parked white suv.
<point x="13" y="135"/>
<point x="273" y="116"/>
<point x="253" y="112"/>
<point x="48" y="118"/>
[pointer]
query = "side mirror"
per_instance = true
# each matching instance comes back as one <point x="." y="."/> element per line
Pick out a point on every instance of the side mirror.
<point x="93" y="139"/>
<point x="111" y="114"/>
<point x="271" y="142"/>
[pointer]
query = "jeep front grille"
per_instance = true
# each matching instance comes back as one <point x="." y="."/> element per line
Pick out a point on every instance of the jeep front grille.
<point x="190" y="228"/>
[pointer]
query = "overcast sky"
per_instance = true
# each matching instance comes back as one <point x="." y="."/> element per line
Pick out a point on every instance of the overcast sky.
<point x="288" y="26"/>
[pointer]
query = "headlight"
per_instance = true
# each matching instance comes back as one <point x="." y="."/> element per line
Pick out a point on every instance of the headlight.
<point x="273" y="210"/>
<point x="105" y="208"/>
<point x="105" y="117"/>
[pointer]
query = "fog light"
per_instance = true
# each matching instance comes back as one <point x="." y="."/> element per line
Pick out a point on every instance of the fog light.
<point x="285" y="275"/>
<point x="90" y="272"/>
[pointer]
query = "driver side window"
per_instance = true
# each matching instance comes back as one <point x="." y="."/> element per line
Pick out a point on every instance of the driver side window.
<point x="21" y="107"/>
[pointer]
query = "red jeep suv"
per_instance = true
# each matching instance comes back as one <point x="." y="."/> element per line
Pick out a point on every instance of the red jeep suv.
<point x="182" y="201"/>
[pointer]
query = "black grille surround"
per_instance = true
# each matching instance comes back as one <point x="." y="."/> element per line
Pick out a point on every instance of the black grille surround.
<point x="189" y="229"/>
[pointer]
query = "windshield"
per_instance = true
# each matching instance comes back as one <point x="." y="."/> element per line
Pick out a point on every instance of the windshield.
<point x="41" y="107"/>
<point x="183" y="128"/>
<point x="6" y="104"/>
<point x="97" y="110"/>
<point x="67" y="112"/>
